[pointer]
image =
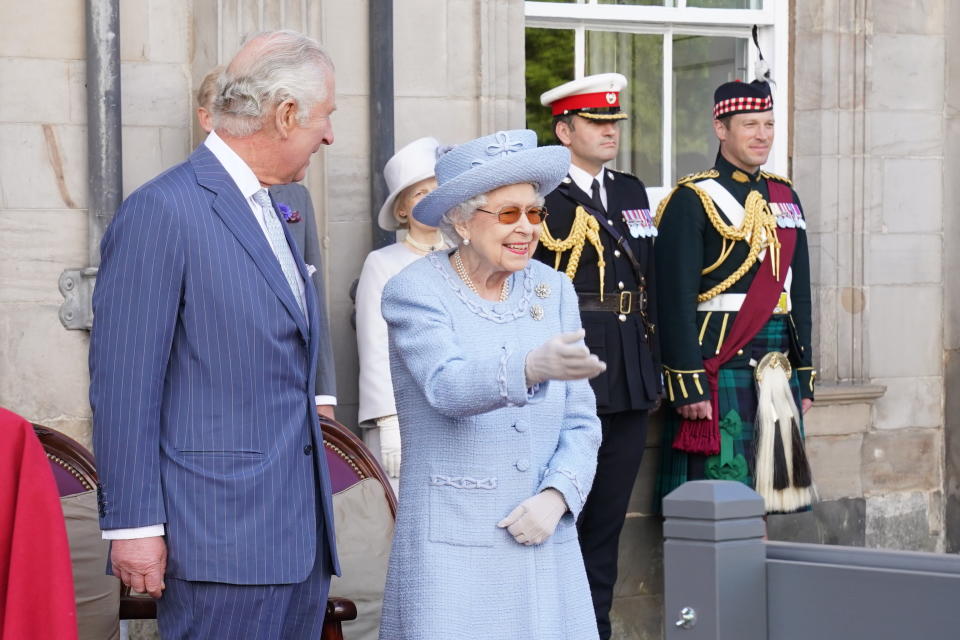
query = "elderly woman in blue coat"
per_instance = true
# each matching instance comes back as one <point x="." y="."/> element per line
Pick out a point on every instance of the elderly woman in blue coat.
<point x="498" y="422"/>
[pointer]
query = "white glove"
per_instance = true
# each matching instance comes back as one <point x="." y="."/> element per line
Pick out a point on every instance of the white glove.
<point x="562" y="357"/>
<point x="390" y="444"/>
<point x="535" y="519"/>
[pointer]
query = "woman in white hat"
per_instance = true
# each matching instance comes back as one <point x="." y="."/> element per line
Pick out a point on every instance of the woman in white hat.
<point x="409" y="176"/>
<point x="498" y="421"/>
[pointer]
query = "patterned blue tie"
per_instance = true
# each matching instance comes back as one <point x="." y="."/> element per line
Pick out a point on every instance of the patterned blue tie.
<point x="278" y="243"/>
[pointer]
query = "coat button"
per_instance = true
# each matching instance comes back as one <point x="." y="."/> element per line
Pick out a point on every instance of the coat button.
<point x="622" y="317"/>
<point x="610" y="222"/>
<point x="616" y="253"/>
<point x="522" y="464"/>
<point x="620" y="286"/>
<point x="307" y="450"/>
<point x="519" y="427"/>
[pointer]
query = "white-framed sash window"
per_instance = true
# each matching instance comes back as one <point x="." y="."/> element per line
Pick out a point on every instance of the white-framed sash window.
<point x="674" y="53"/>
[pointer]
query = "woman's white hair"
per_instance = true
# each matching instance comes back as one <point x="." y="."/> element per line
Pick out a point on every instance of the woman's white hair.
<point x="271" y="68"/>
<point x="464" y="212"/>
<point x="460" y="214"/>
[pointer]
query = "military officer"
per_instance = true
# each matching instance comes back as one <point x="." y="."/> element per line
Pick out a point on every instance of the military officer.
<point x="600" y="232"/>
<point x="734" y="299"/>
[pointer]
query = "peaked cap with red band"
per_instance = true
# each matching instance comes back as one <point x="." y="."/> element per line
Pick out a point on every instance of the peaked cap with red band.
<point x="596" y="97"/>
<point x="735" y="97"/>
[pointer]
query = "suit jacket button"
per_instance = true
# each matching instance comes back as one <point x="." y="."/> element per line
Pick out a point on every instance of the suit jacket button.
<point x="307" y="450"/>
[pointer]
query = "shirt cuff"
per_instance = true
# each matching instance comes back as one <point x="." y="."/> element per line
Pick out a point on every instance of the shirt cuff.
<point x="322" y="400"/>
<point x="149" y="531"/>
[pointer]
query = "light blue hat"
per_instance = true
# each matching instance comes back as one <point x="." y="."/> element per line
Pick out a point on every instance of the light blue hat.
<point x="490" y="162"/>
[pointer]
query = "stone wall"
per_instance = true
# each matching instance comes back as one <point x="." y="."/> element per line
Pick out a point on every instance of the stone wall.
<point x="868" y="154"/>
<point x="43" y="179"/>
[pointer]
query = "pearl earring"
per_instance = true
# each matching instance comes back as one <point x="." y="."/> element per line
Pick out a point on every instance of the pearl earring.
<point x="466" y="241"/>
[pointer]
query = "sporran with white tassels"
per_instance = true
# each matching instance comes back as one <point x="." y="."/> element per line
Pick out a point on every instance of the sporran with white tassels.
<point x="782" y="474"/>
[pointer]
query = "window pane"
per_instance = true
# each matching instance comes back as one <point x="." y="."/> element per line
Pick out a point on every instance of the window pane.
<point x="726" y="4"/>
<point x="549" y="63"/>
<point x="700" y="65"/>
<point x="645" y="3"/>
<point x="640" y="58"/>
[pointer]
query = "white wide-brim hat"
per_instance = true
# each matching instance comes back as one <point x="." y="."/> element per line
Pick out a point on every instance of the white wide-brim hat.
<point x="490" y="162"/>
<point x="408" y="166"/>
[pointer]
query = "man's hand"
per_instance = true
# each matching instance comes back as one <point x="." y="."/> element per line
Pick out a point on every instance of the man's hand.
<point x="805" y="405"/>
<point x="702" y="410"/>
<point x="326" y="411"/>
<point x="140" y="563"/>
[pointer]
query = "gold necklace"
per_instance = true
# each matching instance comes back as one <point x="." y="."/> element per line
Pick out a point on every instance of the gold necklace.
<point x="424" y="247"/>
<point x="462" y="272"/>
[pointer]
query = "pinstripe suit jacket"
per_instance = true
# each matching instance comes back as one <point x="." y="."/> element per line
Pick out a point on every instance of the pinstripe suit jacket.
<point x="304" y="233"/>
<point x="202" y="371"/>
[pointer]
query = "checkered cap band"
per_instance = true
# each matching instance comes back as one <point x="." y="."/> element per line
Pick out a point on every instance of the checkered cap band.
<point x="742" y="104"/>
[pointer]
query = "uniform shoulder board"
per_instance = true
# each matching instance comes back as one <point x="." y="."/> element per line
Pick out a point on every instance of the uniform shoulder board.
<point x="623" y="174"/>
<point x="702" y="175"/>
<point x="773" y="176"/>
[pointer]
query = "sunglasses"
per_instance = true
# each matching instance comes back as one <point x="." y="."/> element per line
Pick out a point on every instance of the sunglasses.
<point x="510" y="214"/>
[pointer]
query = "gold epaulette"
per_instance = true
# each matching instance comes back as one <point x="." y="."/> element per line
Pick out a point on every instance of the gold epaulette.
<point x="773" y="176"/>
<point x="702" y="175"/>
<point x="693" y="177"/>
<point x="584" y="228"/>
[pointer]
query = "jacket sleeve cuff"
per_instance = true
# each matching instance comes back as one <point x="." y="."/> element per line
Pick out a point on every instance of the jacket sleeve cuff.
<point x="686" y="386"/>
<point x="568" y="485"/>
<point x="808" y="377"/>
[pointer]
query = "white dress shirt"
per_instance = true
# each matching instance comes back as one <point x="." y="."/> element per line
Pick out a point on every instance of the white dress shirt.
<point x="584" y="180"/>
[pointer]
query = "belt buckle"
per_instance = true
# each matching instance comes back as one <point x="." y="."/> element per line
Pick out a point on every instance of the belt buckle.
<point x="626" y="302"/>
<point x="782" y="303"/>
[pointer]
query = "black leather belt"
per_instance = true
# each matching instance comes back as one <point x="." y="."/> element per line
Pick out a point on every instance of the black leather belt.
<point x="622" y="302"/>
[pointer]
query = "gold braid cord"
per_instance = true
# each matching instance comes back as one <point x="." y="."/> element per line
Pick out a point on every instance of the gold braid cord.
<point x="759" y="229"/>
<point x="773" y="176"/>
<point x="585" y="227"/>
<point x="703" y="175"/>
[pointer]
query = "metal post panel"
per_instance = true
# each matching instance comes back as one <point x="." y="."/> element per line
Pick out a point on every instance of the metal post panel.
<point x="714" y="562"/>
<point x="812" y="600"/>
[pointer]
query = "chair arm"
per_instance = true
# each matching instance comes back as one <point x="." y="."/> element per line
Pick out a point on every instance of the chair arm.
<point x="339" y="610"/>
<point x="136" y="606"/>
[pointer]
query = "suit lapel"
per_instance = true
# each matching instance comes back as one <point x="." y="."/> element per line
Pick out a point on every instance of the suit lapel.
<point x="235" y="213"/>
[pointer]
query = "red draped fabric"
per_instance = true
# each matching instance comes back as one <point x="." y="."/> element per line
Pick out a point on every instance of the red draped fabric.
<point x="36" y="579"/>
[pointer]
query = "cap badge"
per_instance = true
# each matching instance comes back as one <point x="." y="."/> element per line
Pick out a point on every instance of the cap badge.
<point x="611" y="98"/>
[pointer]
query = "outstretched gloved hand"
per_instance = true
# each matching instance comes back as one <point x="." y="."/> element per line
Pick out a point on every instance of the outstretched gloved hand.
<point x="562" y="357"/>
<point x="390" y="444"/>
<point x="535" y="519"/>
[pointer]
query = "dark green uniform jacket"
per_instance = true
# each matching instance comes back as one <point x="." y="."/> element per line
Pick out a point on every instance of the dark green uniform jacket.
<point x="688" y="243"/>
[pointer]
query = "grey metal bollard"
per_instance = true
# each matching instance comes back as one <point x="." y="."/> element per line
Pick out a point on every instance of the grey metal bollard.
<point x="714" y="560"/>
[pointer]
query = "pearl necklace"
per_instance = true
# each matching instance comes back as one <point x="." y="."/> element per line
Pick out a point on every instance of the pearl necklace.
<point x="424" y="247"/>
<point x="462" y="272"/>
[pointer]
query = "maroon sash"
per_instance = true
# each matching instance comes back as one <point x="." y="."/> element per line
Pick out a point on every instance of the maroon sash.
<point x="703" y="436"/>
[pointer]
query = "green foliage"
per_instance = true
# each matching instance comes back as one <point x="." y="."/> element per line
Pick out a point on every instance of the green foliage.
<point x="549" y="63"/>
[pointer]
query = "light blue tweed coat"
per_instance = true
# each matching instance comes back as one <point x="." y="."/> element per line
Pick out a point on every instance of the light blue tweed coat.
<point x="476" y="443"/>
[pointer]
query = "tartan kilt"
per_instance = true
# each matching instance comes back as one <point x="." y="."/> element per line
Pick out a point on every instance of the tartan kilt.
<point x="737" y="391"/>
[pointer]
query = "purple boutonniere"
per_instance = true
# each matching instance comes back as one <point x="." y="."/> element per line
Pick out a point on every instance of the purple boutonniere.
<point x="289" y="215"/>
